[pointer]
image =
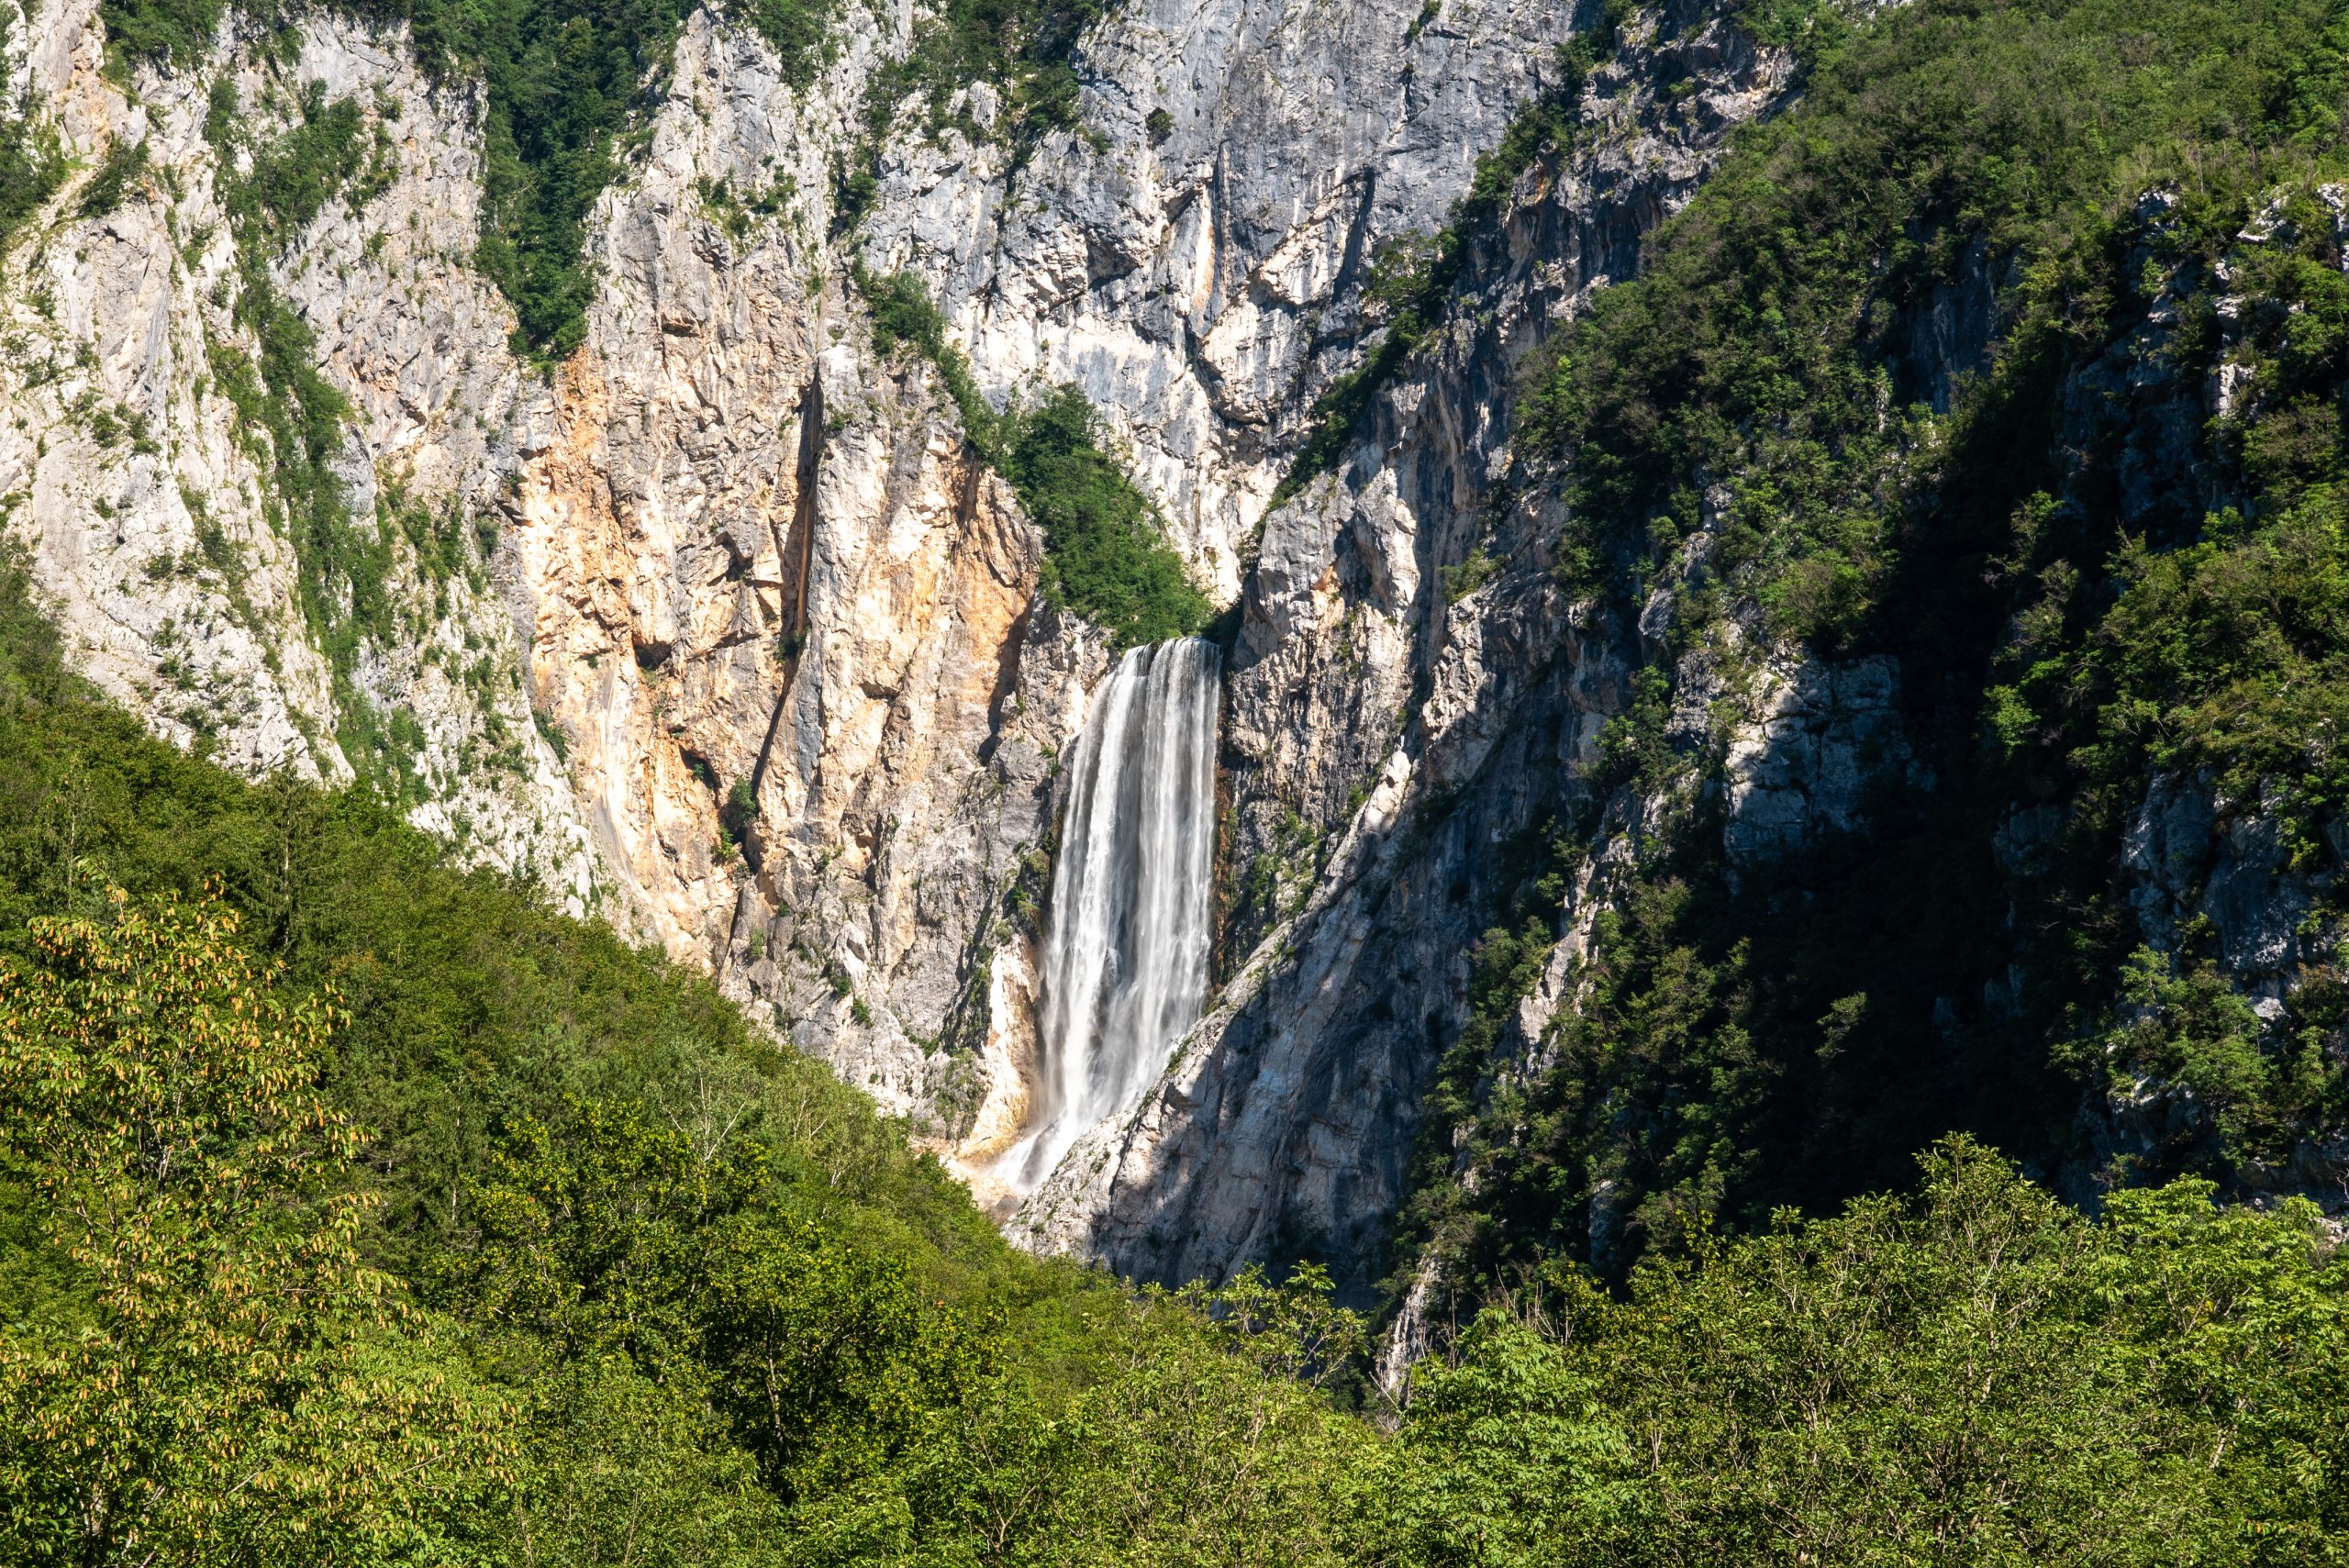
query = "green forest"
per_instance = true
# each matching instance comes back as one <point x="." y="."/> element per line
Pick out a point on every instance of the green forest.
<point x="357" y="1211"/>
<point x="360" y="1210"/>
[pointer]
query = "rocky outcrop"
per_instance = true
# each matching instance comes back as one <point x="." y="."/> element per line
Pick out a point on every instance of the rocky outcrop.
<point x="148" y="499"/>
<point x="1818" y="738"/>
<point x="1400" y="708"/>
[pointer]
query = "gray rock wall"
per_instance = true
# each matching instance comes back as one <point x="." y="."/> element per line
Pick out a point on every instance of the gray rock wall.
<point x="1392" y="724"/>
<point x="727" y="547"/>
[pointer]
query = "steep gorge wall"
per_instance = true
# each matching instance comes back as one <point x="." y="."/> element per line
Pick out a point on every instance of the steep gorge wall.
<point x="1586" y="876"/>
<point x="720" y="629"/>
<point x="146" y="494"/>
<point x="1401" y="713"/>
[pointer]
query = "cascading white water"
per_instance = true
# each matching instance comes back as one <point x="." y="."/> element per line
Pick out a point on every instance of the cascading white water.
<point x="1125" y="964"/>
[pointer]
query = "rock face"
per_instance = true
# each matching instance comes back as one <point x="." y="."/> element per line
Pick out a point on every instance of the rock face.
<point x="721" y="629"/>
<point x="1399" y="710"/>
<point x="1799" y="768"/>
<point x="146" y="498"/>
<point x="1195" y="259"/>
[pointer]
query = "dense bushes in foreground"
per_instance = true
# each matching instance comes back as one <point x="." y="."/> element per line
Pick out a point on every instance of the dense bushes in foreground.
<point x="638" y="1339"/>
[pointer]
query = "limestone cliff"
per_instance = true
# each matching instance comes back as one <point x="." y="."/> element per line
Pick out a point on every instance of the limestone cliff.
<point x="719" y="628"/>
<point x="1398" y="710"/>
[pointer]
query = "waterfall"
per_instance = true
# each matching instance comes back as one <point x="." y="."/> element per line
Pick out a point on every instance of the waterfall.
<point x="1125" y="963"/>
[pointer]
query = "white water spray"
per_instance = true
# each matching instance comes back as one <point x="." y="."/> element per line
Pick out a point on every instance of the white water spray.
<point x="1125" y="965"/>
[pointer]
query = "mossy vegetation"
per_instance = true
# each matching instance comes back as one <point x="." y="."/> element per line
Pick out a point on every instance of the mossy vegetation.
<point x="124" y="164"/>
<point x="1106" y="553"/>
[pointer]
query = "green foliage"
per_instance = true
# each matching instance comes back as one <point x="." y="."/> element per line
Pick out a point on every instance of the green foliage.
<point x="619" y="1468"/>
<point x="904" y="316"/>
<point x="124" y="162"/>
<point x="2227" y="656"/>
<point x="226" y="1369"/>
<point x="735" y="213"/>
<point x="1973" y="1376"/>
<point x="1466" y="1094"/>
<point x="604" y="1235"/>
<point x="739" y="810"/>
<point x="1105" y="555"/>
<point x="713" y="1300"/>
<point x="563" y="80"/>
<point x="2012" y="1384"/>
<point x="1022" y="48"/>
<point x="566" y="81"/>
<point x="1634" y="747"/>
<point x="2195" y="1032"/>
<point x="1810" y="28"/>
<point x="178" y="33"/>
<point x="1757" y="352"/>
<point x="327" y="154"/>
<point x="1187" y="1439"/>
<point x="688" y="1299"/>
<point x="800" y="30"/>
<point x="292" y="416"/>
<point x="1508" y="1458"/>
<point x="1478" y="568"/>
<point x="524" y="1250"/>
<point x="31" y="168"/>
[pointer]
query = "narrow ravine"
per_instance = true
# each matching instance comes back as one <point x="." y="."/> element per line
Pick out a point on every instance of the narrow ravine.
<point x="1126" y="951"/>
